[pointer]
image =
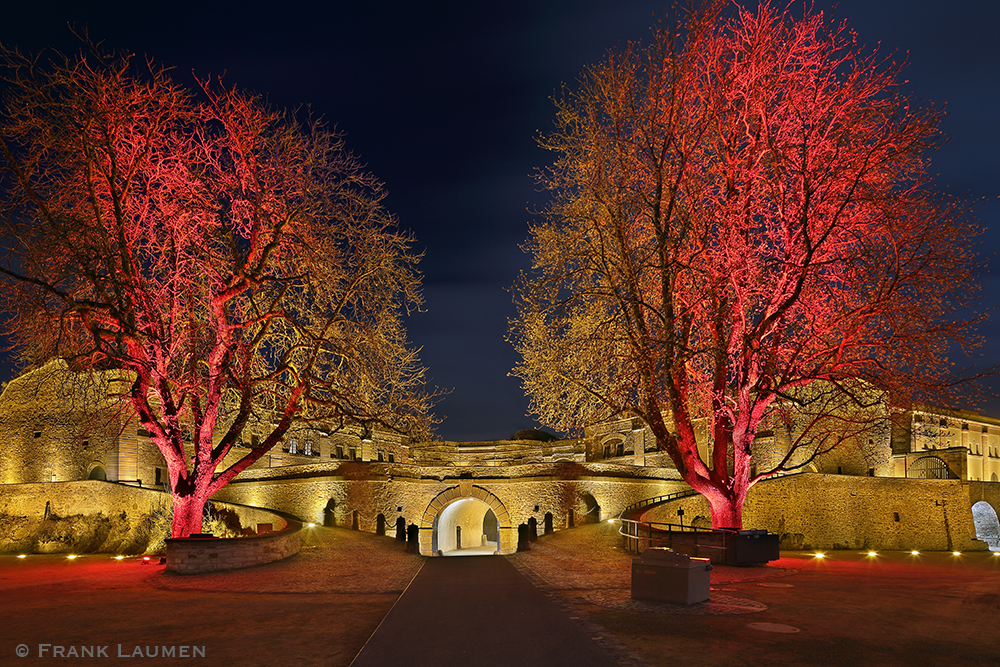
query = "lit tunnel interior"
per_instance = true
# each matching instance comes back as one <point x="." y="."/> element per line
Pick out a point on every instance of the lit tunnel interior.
<point x="467" y="527"/>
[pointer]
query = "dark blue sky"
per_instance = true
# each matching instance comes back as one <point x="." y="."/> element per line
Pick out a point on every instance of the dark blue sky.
<point x="444" y="100"/>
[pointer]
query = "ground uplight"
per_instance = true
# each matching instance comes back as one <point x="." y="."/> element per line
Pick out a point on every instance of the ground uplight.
<point x="26" y="555"/>
<point x="819" y="555"/>
<point x="873" y="553"/>
<point x="956" y="553"/>
<point x="914" y="553"/>
<point x="310" y="525"/>
<point x="119" y="557"/>
<point x="71" y="557"/>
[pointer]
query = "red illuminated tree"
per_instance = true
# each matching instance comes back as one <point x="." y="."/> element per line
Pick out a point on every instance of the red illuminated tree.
<point x="232" y="262"/>
<point x="743" y="235"/>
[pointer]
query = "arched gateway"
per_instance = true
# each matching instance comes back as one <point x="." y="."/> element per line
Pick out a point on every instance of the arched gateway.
<point x="472" y="512"/>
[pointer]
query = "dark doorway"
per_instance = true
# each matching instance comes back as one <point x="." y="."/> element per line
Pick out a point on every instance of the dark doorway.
<point x="571" y="518"/>
<point x="591" y="512"/>
<point x="99" y="473"/>
<point x="380" y="525"/>
<point x="355" y="520"/>
<point x="548" y="523"/>
<point x="458" y="537"/>
<point x="329" y="515"/>
<point x="491" y="527"/>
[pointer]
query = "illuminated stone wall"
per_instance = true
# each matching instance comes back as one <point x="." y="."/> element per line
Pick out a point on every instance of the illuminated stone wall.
<point x="47" y="431"/>
<point x="83" y="516"/>
<point x="587" y="498"/>
<point x="815" y="511"/>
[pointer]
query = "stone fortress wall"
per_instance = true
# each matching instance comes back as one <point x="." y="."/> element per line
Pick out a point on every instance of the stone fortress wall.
<point x="816" y="511"/>
<point x="340" y="478"/>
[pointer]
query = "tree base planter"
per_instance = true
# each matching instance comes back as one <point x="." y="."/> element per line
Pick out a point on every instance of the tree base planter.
<point x="198" y="554"/>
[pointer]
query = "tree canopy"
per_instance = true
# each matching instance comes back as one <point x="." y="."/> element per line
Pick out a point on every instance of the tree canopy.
<point x="744" y="232"/>
<point x="234" y="259"/>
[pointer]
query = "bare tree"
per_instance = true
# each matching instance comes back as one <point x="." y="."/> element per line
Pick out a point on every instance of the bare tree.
<point x="233" y="260"/>
<point x="743" y="227"/>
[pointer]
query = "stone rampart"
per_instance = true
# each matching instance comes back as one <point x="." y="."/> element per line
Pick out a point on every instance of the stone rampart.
<point x="358" y="503"/>
<point x="815" y="511"/>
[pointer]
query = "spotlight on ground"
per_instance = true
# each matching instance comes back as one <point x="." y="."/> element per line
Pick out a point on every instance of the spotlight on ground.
<point x="26" y="555"/>
<point x="145" y="560"/>
<point x="819" y="555"/>
<point x="873" y="553"/>
<point x="995" y="553"/>
<point x="611" y="520"/>
<point x="956" y="553"/>
<point x="914" y="553"/>
<point x="119" y="557"/>
<point x="71" y="557"/>
<point x="310" y="525"/>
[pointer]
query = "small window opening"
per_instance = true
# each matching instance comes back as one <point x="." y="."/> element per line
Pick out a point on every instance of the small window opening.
<point x="895" y="517"/>
<point x="38" y="434"/>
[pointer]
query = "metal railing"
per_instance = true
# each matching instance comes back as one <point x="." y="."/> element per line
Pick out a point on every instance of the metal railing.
<point x="654" y="501"/>
<point x="637" y="534"/>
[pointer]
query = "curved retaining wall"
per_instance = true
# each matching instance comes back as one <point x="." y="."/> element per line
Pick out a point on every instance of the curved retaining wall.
<point x="212" y="554"/>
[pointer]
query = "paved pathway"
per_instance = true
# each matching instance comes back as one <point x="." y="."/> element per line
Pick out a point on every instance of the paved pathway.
<point x="478" y="611"/>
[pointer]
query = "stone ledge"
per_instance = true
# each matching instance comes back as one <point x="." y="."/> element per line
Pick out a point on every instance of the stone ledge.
<point x="197" y="555"/>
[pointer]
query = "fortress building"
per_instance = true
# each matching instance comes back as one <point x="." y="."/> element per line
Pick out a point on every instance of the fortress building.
<point x="929" y="485"/>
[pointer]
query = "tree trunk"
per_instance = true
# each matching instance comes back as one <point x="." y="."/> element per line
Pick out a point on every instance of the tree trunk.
<point x="188" y="512"/>
<point x="727" y="512"/>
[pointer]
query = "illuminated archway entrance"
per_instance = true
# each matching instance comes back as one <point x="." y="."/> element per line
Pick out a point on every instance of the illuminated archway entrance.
<point x="466" y="527"/>
<point x="466" y="520"/>
<point x="987" y="524"/>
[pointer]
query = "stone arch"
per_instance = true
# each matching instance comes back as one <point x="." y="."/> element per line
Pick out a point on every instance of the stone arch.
<point x="929" y="467"/>
<point x="987" y="524"/>
<point x="993" y="477"/>
<point x="429" y="520"/>
<point x="97" y="472"/>
<point x="330" y="513"/>
<point x="590" y="512"/>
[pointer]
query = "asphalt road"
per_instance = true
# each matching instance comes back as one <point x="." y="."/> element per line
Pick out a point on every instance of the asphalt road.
<point x="478" y="610"/>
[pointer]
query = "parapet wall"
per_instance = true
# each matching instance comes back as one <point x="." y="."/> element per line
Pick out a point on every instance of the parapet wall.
<point x="197" y="555"/>
<point x="815" y="511"/>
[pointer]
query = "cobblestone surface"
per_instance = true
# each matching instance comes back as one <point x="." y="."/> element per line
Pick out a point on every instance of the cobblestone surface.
<point x="718" y="605"/>
<point x="591" y="558"/>
<point x="332" y="560"/>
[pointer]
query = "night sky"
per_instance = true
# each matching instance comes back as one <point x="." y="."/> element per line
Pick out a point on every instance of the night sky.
<point x="444" y="101"/>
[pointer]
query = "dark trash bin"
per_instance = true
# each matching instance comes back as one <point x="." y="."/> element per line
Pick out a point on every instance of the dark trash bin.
<point x="752" y="547"/>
